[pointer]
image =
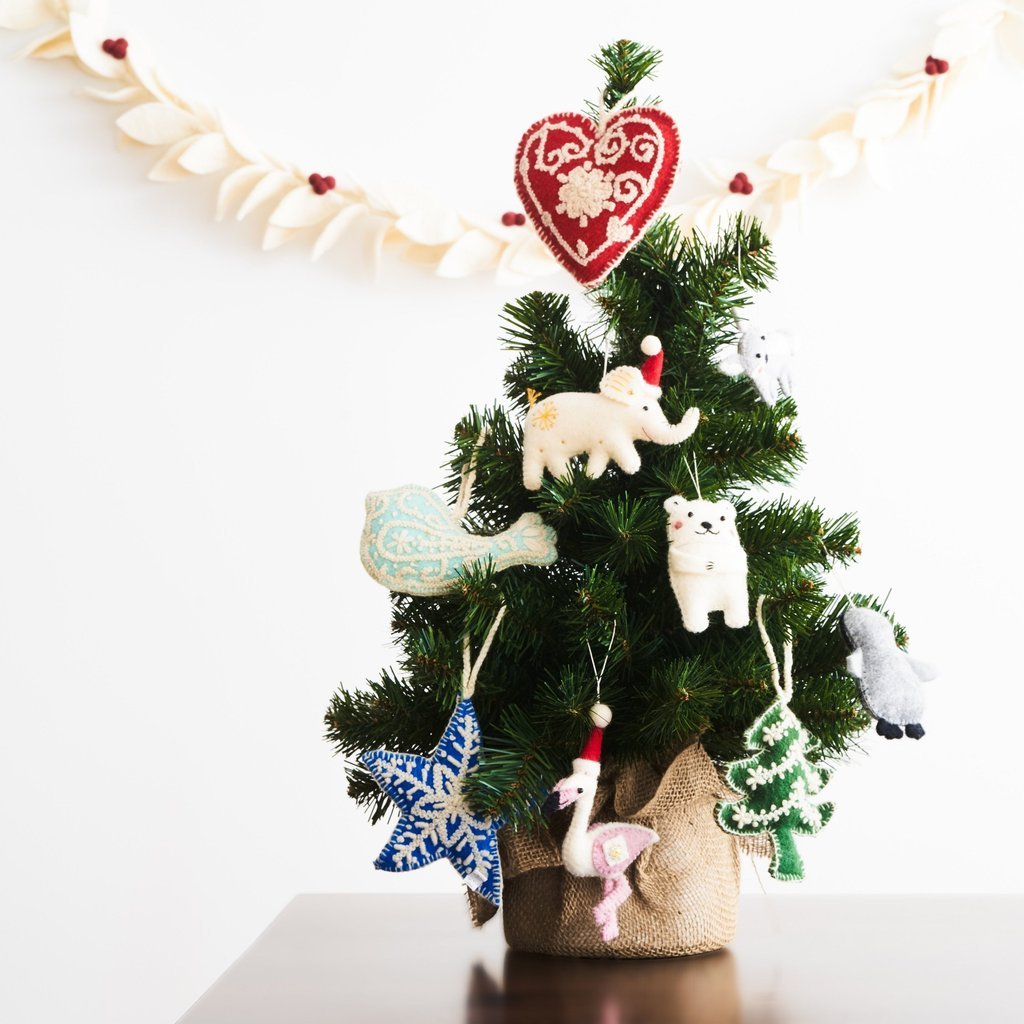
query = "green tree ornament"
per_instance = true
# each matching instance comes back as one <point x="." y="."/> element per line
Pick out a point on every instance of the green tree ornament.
<point x="779" y="784"/>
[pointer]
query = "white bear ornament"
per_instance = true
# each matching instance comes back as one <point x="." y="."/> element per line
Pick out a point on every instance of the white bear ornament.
<point x="767" y="357"/>
<point x="707" y="565"/>
<point x="605" y="425"/>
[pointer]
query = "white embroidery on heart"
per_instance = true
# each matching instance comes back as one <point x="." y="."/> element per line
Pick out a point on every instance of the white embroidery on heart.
<point x="617" y="231"/>
<point x="585" y="192"/>
<point x="629" y="188"/>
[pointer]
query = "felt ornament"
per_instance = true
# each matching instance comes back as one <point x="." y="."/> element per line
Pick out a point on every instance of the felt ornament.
<point x="603" y="850"/>
<point x="888" y="678"/>
<point x="707" y="565"/>
<point x="778" y="786"/>
<point x="590" y="189"/>
<point x="767" y="357"/>
<point x="415" y="543"/>
<point x="436" y="820"/>
<point x="603" y="426"/>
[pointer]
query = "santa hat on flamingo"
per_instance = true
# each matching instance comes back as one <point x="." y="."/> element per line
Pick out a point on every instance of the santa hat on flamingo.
<point x="651" y="370"/>
<point x="589" y="760"/>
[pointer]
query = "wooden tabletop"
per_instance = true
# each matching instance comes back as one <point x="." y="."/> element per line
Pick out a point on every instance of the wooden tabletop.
<point x="334" y="959"/>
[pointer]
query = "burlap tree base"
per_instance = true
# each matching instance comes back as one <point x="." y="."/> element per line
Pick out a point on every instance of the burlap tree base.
<point x="685" y="887"/>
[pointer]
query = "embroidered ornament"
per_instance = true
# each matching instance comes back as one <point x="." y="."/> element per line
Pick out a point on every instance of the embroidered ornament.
<point x="414" y="543"/>
<point x="779" y="785"/>
<point x="888" y="678"/>
<point x="602" y="426"/>
<point x="767" y="358"/>
<point x="604" y="850"/>
<point x="436" y="821"/>
<point x="707" y="565"/>
<point x="590" y="190"/>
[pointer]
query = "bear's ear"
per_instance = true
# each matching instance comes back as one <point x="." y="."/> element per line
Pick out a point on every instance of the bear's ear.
<point x="671" y="504"/>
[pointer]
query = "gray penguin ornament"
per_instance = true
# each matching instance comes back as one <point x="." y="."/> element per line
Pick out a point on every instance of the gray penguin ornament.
<point x="888" y="678"/>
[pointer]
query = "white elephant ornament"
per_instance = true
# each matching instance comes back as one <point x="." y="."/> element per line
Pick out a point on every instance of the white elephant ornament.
<point x="603" y="426"/>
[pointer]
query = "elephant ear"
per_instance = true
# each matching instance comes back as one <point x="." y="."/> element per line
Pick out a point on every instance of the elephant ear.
<point x="626" y="384"/>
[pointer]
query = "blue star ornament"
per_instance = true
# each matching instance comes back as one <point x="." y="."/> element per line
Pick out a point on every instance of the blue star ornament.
<point x="436" y="820"/>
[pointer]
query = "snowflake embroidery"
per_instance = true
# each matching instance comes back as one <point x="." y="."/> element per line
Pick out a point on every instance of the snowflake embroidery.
<point x="403" y="542"/>
<point x="585" y="193"/>
<point x="436" y="821"/>
<point x="544" y="416"/>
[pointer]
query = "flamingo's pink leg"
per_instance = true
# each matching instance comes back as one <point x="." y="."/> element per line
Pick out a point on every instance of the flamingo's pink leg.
<point x="616" y="891"/>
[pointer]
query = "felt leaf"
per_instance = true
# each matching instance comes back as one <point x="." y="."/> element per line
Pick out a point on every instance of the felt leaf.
<point x="271" y="185"/>
<point x="240" y="142"/>
<point x="336" y="227"/>
<point x="126" y="94"/>
<point x="474" y="251"/>
<point x="841" y="150"/>
<point x="960" y="39"/>
<point x="840" y="121"/>
<point x="276" y="236"/>
<point x="20" y="15"/>
<point x="207" y="154"/>
<point x="1011" y="37"/>
<point x="87" y="34"/>
<point x="167" y="168"/>
<point x="237" y="184"/>
<point x="529" y="257"/>
<point x="303" y="208"/>
<point x="156" y="124"/>
<point x="880" y="119"/>
<point x="53" y="46"/>
<point x="876" y="162"/>
<point x="375" y="241"/>
<point x="800" y="156"/>
<point x="430" y="225"/>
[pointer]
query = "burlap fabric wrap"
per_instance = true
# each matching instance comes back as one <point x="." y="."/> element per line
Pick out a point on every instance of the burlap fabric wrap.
<point x="685" y="887"/>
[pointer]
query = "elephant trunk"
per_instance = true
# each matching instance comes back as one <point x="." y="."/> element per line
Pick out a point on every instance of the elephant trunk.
<point x="675" y="433"/>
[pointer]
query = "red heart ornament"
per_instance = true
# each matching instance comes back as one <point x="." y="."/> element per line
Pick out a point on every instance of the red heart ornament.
<point x="590" y="191"/>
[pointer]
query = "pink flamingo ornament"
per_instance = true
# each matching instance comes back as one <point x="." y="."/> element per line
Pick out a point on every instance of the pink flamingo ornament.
<point x="603" y="850"/>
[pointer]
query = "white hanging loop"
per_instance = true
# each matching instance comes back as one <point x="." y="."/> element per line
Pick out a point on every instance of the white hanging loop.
<point x="598" y="676"/>
<point x="461" y="506"/>
<point x="783" y="682"/>
<point x="606" y="112"/>
<point x="694" y="475"/>
<point x="471" y="671"/>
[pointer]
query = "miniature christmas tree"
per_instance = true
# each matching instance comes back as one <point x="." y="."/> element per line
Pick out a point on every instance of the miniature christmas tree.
<point x="667" y="686"/>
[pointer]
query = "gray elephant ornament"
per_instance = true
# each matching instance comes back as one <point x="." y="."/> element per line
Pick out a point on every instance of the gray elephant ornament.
<point x="604" y="425"/>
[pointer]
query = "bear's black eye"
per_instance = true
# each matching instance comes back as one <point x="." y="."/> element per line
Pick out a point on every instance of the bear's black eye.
<point x="762" y="337"/>
<point x="645" y="408"/>
<point x="690" y="515"/>
<point x="723" y="519"/>
<point x="757" y="355"/>
<point x="580" y="790"/>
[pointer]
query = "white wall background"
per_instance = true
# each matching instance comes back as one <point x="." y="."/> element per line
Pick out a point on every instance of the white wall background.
<point x="188" y="426"/>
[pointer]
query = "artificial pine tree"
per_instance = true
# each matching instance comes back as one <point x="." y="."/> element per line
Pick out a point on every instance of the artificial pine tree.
<point x="667" y="686"/>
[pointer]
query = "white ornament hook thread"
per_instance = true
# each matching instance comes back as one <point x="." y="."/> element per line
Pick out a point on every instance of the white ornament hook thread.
<point x="598" y="676"/>
<point x="783" y="683"/>
<point x="471" y="671"/>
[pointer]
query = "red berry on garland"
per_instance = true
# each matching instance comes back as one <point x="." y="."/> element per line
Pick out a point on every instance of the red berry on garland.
<point x="930" y="67"/>
<point x="520" y="219"/>
<point x="741" y="183"/>
<point x="321" y="184"/>
<point x="508" y="219"/>
<point x="117" y="48"/>
<point x="942" y="66"/>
